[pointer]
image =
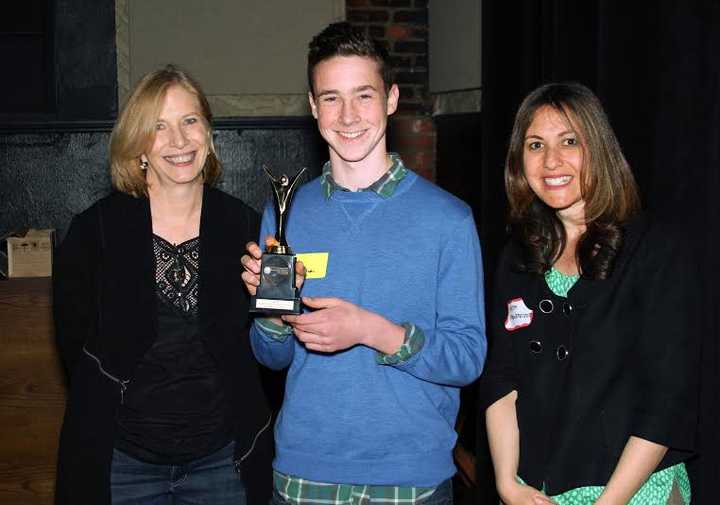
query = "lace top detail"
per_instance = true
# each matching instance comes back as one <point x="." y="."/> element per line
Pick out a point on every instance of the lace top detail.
<point x="177" y="276"/>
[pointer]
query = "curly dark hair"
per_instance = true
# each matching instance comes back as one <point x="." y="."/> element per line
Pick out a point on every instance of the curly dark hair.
<point x="343" y="39"/>
<point x="607" y="186"/>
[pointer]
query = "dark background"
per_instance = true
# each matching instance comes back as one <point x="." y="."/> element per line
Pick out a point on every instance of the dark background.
<point x="653" y="65"/>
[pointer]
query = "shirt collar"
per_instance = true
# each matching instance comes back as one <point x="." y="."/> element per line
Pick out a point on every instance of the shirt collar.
<point x="384" y="186"/>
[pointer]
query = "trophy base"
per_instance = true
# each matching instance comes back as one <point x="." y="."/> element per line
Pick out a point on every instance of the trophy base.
<point x="276" y="293"/>
<point x="275" y="306"/>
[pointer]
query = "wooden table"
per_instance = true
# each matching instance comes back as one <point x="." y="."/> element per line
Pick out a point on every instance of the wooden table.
<point x="32" y="393"/>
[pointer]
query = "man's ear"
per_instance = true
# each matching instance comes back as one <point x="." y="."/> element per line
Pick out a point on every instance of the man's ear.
<point x="313" y="107"/>
<point x="392" y="99"/>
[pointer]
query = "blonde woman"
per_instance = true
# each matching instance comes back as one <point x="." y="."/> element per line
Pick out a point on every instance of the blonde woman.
<point x="165" y="404"/>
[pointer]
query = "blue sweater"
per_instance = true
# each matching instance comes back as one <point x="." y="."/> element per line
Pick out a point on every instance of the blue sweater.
<point x="413" y="257"/>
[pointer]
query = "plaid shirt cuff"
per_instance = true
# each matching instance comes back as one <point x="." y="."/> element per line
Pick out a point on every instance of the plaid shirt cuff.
<point x="414" y="340"/>
<point x="279" y="332"/>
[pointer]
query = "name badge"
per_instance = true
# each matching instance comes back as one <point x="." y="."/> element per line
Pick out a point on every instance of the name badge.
<point x="315" y="264"/>
<point x="519" y="315"/>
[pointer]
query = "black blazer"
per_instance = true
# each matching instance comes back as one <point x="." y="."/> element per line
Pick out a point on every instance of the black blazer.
<point x="617" y="358"/>
<point x="106" y="319"/>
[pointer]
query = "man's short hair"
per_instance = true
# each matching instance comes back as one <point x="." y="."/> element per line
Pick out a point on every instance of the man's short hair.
<point x="343" y="39"/>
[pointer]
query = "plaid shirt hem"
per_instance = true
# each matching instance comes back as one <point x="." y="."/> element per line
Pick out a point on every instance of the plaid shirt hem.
<point x="299" y="491"/>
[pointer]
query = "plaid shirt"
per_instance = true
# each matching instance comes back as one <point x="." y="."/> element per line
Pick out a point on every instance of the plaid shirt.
<point x="299" y="491"/>
<point x="384" y="187"/>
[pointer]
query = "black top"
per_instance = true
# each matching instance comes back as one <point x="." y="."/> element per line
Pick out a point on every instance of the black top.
<point x="174" y="410"/>
<point x="617" y="358"/>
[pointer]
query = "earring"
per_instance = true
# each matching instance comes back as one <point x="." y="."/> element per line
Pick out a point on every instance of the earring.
<point x="144" y="165"/>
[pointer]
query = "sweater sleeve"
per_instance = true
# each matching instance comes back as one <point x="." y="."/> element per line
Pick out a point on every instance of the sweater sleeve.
<point x="74" y="290"/>
<point x="272" y="347"/>
<point x="668" y="344"/>
<point x="454" y="348"/>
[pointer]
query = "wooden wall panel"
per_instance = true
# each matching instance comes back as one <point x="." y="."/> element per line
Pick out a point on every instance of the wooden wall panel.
<point x="32" y="393"/>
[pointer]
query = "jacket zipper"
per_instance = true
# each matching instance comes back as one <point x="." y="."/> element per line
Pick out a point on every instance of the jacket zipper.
<point x="252" y="446"/>
<point x="122" y="383"/>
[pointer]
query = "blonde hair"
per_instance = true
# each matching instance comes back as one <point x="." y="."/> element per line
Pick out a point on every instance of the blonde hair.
<point x="134" y="131"/>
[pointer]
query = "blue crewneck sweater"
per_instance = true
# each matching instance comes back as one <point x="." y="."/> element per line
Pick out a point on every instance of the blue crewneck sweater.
<point x="413" y="257"/>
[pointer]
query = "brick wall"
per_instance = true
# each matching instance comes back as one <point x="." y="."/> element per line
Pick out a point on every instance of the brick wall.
<point x="403" y="26"/>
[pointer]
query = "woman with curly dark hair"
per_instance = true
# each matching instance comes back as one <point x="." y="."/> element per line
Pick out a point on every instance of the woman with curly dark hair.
<point x="590" y="387"/>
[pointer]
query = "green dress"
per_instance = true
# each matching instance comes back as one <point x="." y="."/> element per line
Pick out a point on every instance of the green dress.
<point x="659" y="485"/>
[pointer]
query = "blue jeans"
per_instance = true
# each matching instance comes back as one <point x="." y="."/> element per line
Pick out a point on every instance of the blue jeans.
<point x="443" y="495"/>
<point x="211" y="480"/>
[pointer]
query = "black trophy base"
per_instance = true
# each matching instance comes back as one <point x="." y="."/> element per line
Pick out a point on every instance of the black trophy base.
<point x="276" y="293"/>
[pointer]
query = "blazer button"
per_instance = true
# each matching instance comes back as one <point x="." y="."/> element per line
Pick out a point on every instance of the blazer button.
<point x="567" y="308"/>
<point x="546" y="306"/>
<point x="535" y="346"/>
<point x="562" y="353"/>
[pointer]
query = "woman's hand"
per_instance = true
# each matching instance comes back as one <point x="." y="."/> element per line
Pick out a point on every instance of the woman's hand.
<point x="515" y="493"/>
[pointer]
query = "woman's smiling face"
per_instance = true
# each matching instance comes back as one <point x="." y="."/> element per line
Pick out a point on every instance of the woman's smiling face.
<point x="182" y="141"/>
<point x="553" y="160"/>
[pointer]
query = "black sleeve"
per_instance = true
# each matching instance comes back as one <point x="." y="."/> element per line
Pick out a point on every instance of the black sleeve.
<point x="667" y="350"/>
<point x="253" y="226"/>
<point x="500" y="375"/>
<point x="74" y="289"/>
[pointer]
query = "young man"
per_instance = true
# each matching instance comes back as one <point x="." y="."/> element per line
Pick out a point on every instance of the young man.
<point x="394" y="324"/>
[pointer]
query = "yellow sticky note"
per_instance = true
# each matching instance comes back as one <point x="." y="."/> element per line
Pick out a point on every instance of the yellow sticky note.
<point x="315" y="264"/>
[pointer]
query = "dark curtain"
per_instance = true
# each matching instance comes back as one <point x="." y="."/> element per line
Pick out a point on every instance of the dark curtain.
<point x="656" y="68"/>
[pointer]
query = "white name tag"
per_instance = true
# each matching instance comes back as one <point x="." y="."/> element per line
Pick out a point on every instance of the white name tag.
<point x="519" y="315"/>
<point x="269" y="303"/>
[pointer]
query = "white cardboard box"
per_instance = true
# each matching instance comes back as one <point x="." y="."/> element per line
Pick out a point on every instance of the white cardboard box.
<point x="31" y="255"/>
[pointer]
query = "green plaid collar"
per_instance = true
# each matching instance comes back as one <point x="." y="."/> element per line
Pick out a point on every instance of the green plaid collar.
<point x="384" y="186"/>
<point x="299" y="491"/>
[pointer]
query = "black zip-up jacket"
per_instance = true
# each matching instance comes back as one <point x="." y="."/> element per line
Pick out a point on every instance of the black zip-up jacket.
<point x="616" y="358"/>
<point x="104" y="305"/>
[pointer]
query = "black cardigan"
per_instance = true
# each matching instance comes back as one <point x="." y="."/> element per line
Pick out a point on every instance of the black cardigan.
<point x="106" y="319"/>
<point x="617" y="358"/>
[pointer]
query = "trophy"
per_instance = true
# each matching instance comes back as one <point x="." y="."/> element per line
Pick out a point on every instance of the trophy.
<point x="277" y="293"/>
